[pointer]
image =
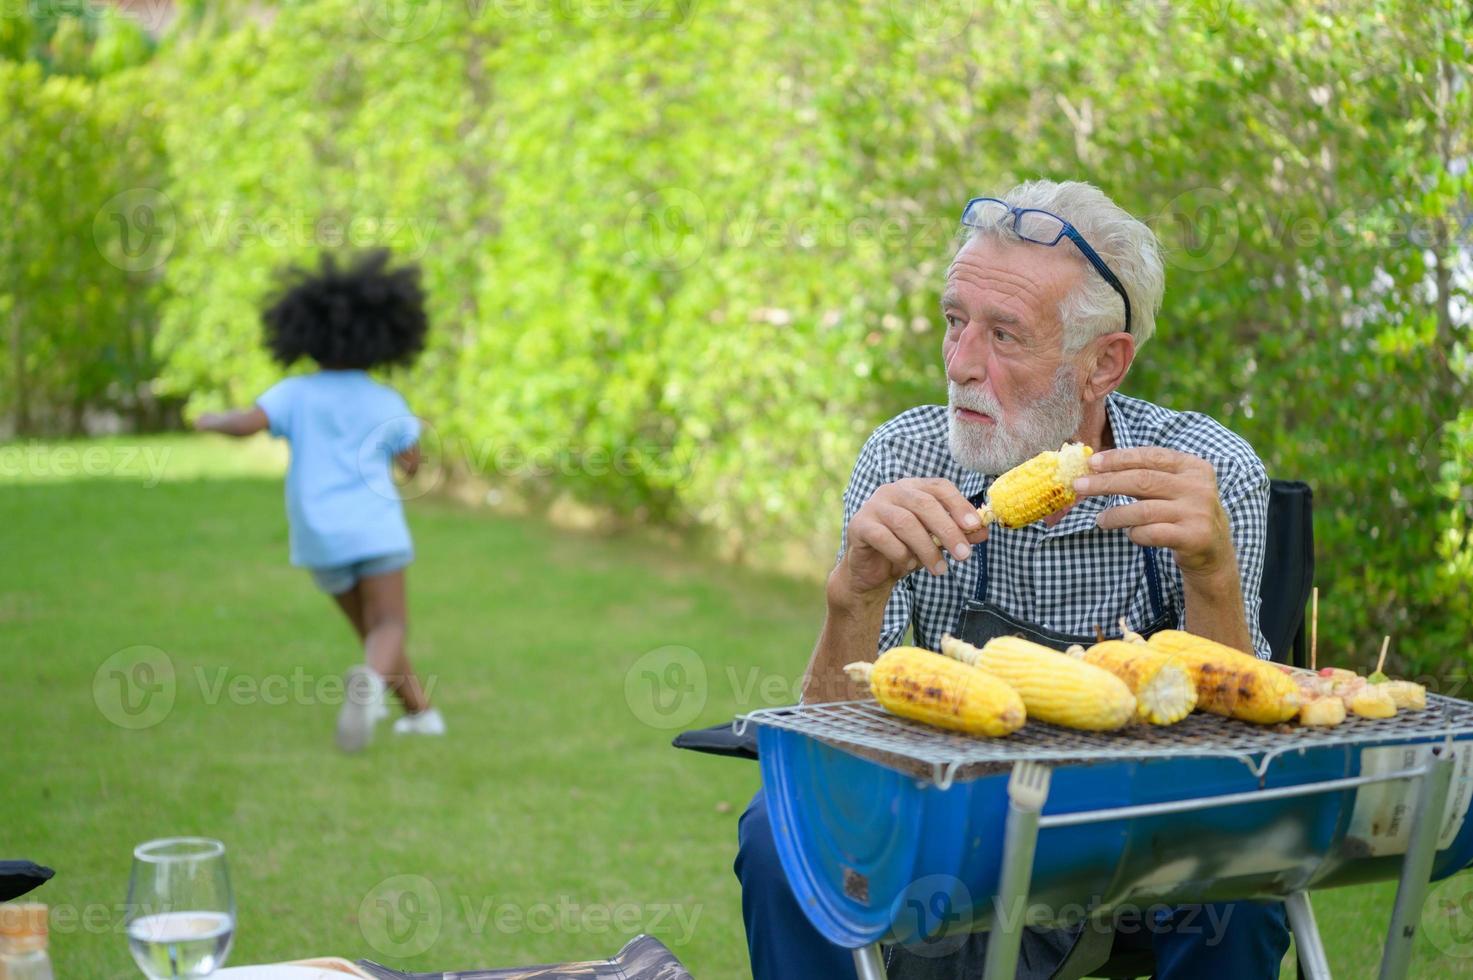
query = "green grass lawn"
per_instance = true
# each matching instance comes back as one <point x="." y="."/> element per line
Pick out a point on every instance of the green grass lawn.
<point x="552" y="823"/>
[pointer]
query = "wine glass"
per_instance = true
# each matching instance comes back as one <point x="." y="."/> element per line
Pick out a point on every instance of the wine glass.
<point x="181" y="915"/>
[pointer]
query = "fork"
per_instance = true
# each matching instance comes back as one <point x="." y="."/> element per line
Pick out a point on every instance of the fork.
<point x="1028" y="785"/>
<point x="1027" y="791"/>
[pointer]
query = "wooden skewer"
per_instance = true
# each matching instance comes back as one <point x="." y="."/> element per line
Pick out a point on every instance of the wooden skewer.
<point x="1314" y="627"/>
<point x="1385" y="644"/>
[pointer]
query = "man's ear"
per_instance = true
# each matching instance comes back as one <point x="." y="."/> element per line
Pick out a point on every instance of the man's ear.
<point x="1112" y="357"/>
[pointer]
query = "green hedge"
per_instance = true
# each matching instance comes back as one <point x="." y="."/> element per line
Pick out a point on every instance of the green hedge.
<point x="80" y="163"/>
<point x="707" y="240"/>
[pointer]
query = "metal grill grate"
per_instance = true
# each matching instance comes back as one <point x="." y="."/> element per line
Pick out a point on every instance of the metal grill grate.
<point x="944" y="757"/>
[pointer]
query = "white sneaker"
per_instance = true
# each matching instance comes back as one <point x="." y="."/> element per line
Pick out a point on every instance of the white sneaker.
<point x="363" y="707"/>
<point x="427" y="722"/>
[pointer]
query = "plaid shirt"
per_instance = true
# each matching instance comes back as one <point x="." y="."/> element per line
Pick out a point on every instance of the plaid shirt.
<point x="1071" y="577"/>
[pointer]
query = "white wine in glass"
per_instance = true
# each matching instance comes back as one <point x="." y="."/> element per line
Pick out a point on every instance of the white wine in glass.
<point x="181" y="914"/>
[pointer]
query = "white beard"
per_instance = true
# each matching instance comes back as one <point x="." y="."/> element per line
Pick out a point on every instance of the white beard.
<point x="994" y="449"/>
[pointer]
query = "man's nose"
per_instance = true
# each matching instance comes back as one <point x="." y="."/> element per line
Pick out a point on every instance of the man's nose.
<point x="968" y="361"/>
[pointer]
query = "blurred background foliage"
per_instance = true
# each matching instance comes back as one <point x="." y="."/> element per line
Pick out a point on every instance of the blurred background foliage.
<point x="710" y="237"/>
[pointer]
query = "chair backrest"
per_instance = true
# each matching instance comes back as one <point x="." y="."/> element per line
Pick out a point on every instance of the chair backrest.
<point x="1288" y="569"/>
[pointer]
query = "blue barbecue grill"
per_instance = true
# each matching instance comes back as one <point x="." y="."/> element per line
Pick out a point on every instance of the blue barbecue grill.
<point x="892" y="831"/>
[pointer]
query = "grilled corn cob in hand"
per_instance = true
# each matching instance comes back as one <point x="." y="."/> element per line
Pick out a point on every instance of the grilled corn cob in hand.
<point x="927" y="687"/>
<point x="1055" y="687"/>
<point x="1037" y="488"/>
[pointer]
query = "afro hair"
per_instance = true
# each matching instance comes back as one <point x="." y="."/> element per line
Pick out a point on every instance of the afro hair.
<point x="363" y="315"/>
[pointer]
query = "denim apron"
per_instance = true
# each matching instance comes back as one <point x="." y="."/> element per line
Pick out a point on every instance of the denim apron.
<point x="1042" y="950"/>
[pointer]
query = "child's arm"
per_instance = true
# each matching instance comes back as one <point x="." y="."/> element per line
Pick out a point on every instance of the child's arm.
<point x="240" y="422"/>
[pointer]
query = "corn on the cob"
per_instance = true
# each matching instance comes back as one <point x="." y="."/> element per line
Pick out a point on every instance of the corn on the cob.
<point x="1230" y="682"/>
<point x="1037" y="488"/>
<point x="1055" y="688"/>
<point x="1322" y="712"/>
<point x="1407" y="694"/>
<point x="927" y="687"/>
<point x="1164" y="693"/>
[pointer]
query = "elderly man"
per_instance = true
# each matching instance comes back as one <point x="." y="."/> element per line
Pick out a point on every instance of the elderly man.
<point x="1050" y="295"/>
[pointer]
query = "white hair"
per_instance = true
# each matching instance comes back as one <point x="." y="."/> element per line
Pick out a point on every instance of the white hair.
<point x="1125" y="244"/>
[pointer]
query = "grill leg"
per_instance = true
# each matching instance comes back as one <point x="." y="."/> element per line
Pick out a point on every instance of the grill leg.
<point x="1027" y="791"/>
<point x="1416" y="866"/>
<point x="1312" y="961"/>
<point x="869" y="962"/>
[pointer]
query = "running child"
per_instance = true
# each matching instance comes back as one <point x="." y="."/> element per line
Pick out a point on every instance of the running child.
<point x="345" y="432"/>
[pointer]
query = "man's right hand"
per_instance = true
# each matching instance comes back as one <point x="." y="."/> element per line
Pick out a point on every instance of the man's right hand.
<point x="896" y="531"/>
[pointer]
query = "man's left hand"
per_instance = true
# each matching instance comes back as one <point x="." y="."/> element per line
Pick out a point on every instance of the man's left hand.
<point x="1176" y="506"/>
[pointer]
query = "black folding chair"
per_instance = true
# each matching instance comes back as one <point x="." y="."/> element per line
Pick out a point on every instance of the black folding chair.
<point x="1288" y="576"/>
<point x="1288" y="571"/>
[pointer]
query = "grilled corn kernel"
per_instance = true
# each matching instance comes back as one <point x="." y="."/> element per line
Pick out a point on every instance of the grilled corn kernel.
<point x="1055" y="687"/>
<point x="927" y="687"/>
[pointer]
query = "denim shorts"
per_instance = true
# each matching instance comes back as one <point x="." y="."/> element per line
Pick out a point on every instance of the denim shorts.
<point x="337" y="579"/>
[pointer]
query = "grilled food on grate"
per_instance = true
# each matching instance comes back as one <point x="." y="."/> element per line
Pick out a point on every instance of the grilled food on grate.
<point x="1230" y="682"/>
<point x="1322" y="712"/>
<point x="1407" y="694"/>
<point x="927" y="687"/>
<point x="1373" y="701"/>
<point x="1055" y="687"/>
<point x="1164" y="692"/>
<point x="1327" y="695"/>
<point x="866" y="729"/>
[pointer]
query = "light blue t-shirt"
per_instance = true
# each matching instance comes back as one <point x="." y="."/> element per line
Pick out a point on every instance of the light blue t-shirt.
<point x="344" y="429"/>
